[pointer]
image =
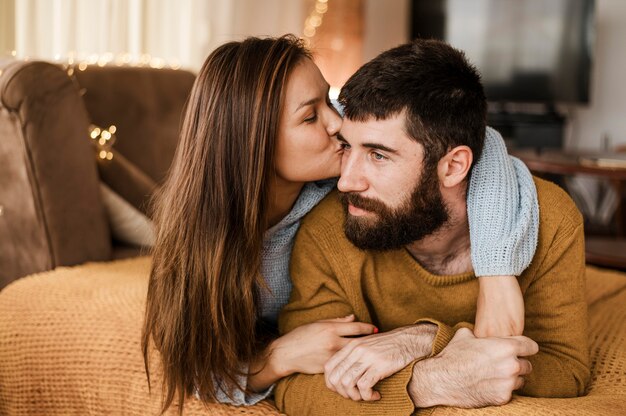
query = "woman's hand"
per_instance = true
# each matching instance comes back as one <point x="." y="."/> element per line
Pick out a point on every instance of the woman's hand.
<point x="307" y="348"/>
<point x="500" y="308"/>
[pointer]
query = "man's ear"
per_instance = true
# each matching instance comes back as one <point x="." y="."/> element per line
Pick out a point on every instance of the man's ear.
<point x="454" y="166"/>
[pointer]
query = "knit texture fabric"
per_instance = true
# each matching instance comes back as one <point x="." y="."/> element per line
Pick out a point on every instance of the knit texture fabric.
<point x="390" y="289"/>
<point x="503" y="219"/>
<point x="70" y="345"/>
<point x="502" y="209"/>
<point x="277" y="246"/>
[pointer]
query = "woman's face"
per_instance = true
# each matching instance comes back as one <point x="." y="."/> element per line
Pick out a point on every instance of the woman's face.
<point x="307" y="148"/>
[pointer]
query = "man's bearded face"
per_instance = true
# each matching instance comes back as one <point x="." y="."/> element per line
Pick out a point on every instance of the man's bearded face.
<point x="422" y="213"/>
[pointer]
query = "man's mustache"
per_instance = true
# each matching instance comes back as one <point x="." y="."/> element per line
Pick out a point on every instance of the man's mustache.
<point x="356" y="200"/>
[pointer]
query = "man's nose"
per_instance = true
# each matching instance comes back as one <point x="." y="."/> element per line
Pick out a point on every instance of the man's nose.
<point x="352" y="178"/>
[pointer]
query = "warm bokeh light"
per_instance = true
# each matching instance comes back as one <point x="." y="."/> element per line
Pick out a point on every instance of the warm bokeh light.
<point x="337" y="41"/>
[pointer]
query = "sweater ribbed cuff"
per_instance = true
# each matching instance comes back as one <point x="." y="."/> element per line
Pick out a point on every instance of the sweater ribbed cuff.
<point x="445" y="333"/>
<point x="443" y="336"/>
<point x="394" y="395"/>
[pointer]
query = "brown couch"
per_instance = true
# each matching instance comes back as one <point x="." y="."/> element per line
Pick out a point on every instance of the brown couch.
<point x="52" y="213"/>
<point x="69" y="337"/>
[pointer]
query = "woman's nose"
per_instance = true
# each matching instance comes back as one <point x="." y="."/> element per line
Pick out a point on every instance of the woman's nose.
<point x="333" y="123"/>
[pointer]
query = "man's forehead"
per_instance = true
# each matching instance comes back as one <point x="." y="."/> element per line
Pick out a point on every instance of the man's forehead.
<point x="391" y="130"/>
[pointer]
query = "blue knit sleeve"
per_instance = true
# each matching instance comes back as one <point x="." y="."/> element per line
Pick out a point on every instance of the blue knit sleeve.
<point x="239" y="397"/>
<point x="503" y="211"/>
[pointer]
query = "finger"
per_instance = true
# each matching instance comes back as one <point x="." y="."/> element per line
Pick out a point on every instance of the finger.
<point x="525" y="367"/>
<point x="346" y="329"/>
<point x="366" y="383"/>
<point x="525" y="346"/>
<point x="339" y="356"/>
<point x="519" y="383"/>
<point x="347" y="318"/>
<point x="333" y="380"/>
<point x="349" y="380"/>
<point x="338" y="377"/>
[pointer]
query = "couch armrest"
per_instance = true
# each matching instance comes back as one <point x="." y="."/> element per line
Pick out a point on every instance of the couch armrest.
<point x="51" y="209"/>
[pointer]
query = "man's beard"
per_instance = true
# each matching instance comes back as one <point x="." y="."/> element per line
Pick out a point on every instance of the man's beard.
<point x="421" y="215"/>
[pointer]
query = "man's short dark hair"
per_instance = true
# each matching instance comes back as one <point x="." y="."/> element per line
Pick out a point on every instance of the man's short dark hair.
<point x="434" y="83"/>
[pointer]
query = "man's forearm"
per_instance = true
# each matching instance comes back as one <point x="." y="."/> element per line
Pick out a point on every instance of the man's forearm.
<point x="424" y="388"/>
<point x="425" y="334"/>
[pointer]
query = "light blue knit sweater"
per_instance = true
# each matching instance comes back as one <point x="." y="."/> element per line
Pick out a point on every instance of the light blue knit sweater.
<point x="503" y="217"/>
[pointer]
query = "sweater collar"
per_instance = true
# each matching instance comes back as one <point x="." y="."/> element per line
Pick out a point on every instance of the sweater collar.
<point x="430" y="278"/>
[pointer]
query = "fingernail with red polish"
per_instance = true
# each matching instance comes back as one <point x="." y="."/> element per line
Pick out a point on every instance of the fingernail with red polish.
<point x="376" y="330"/>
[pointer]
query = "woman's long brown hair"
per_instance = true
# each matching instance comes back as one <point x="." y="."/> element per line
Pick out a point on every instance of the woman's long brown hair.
<point x="202" y="303"/>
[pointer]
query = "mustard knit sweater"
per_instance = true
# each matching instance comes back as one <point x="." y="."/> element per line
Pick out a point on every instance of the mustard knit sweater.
<point x="332" y="278"/>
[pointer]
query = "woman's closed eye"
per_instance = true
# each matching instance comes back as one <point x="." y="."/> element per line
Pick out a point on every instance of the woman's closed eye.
<point x="311" y="119"/>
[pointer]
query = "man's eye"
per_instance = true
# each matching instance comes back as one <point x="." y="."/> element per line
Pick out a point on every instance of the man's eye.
<point x="378" y="156"/>
<point x="345" y="146"/>
<point x="311" y="119"/>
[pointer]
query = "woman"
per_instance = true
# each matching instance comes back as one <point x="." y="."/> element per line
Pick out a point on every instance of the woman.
<point x="258" y="131"/>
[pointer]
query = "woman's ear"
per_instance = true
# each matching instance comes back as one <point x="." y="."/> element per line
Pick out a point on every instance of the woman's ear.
<point x="454" y="166"/>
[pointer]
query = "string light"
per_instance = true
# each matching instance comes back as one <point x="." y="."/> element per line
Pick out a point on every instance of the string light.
<point x="314" y="20"/>
<point x="103" y="139"/>
<point x="105" y="59"/>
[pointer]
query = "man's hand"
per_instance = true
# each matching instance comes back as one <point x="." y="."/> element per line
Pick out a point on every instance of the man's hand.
<point x="500" y="307"/>
<point x="356" y="368"/>
<point x="472" y="372"/>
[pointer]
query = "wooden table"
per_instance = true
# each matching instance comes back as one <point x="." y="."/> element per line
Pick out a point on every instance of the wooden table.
<point x="567" y="163"/>
<point x="603" y="251"/>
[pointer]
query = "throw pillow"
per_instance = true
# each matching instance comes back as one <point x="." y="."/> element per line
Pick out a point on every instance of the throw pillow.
<point x="128" y="224"/>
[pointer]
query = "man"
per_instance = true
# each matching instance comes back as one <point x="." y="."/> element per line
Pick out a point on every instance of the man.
<point x="392" y="248"/>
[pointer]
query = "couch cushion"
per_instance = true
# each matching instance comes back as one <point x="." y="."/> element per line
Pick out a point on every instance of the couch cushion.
<point x="145" y="105"/>
<point x="128" y="225"/>
<point x="127" y="180"/>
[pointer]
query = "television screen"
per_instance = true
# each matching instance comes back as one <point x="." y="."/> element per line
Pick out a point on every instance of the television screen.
<point x="526" y="50"/>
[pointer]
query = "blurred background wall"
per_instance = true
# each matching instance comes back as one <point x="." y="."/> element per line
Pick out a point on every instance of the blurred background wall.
<point x="343" y="34"/>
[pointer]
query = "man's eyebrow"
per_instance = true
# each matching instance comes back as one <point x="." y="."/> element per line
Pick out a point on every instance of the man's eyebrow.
<point x="379" y="147"/>
<point x="370" y="145"/>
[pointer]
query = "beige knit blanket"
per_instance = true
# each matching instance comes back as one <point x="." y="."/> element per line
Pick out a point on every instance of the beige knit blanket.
<point x="69" y="345"/>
